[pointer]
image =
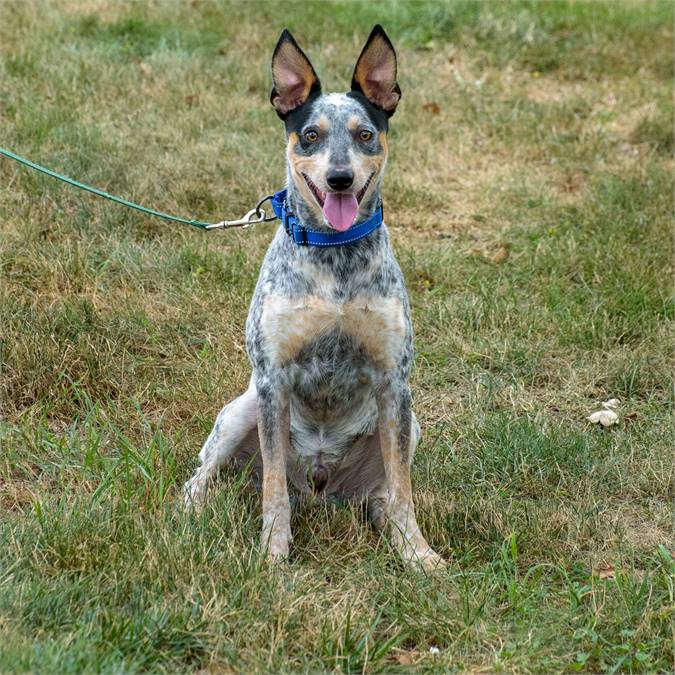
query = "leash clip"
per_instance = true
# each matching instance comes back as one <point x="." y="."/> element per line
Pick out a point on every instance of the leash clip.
<point x="252" y="217"/>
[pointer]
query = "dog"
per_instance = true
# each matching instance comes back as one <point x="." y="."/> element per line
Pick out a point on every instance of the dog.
<point x="328" y="334"/>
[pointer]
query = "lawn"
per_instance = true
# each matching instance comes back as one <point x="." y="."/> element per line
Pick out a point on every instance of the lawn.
<point x="530" y="200"/>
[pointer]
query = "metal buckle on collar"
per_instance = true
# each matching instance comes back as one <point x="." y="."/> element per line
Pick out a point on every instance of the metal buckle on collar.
<point x="295" y="230"/>
<point x="285" y="219"/>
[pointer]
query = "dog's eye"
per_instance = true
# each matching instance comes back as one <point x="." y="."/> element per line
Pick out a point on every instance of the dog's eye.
<point x="311" y="135"/>
<point x="365" y="134"/>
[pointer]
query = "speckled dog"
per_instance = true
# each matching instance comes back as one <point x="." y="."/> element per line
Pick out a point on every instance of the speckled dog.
<point x="328" y="334"/>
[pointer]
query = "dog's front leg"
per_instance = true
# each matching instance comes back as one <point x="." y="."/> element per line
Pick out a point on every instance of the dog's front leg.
<point x="396" y="442"/>
<point x="275" y="442"/>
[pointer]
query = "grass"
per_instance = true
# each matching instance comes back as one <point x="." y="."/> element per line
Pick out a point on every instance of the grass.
<point x="530" y="197"/>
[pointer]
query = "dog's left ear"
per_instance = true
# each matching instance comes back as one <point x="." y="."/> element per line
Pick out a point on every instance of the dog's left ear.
<point x="293" y="75"/>
<point x="375" y="72"/>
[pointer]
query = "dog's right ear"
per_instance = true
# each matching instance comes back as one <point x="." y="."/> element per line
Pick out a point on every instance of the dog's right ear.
<point x="292" y="74"/>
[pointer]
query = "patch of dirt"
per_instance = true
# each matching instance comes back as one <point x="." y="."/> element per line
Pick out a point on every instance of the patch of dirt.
<point x="645" y="532"/>
<point x="15" y="495"/>
<point x="546" y="89"/>
<point x="625" y="121"/>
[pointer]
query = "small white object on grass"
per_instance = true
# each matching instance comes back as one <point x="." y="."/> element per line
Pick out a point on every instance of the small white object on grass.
<point x="605" y="417"/>
<point x="434" y="650"/>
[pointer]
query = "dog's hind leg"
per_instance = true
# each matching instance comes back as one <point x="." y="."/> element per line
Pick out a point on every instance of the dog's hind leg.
<point x="235" y="432"/>
<point x="378" y="498"/>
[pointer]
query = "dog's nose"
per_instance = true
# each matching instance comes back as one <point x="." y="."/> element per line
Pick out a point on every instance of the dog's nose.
<point x="340" y="179"/>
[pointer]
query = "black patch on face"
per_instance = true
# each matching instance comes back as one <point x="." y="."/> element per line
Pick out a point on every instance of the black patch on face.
<point x="377" y="116"/>
<point x="296" y="120"/>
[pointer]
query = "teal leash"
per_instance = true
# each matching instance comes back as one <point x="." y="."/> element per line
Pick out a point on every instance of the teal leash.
<point x="256" y="215"/>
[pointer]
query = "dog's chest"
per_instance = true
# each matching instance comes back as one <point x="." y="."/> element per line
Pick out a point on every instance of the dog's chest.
<point x="295" y="328"/>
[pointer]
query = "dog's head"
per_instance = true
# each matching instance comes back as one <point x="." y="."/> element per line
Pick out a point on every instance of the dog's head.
<point x="337" y="145"/>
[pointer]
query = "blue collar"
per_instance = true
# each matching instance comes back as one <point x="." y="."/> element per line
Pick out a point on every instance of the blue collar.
<point x="304" y="237"/>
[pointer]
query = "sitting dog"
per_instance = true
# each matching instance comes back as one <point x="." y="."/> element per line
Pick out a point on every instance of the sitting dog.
<point x="328" y="334"/>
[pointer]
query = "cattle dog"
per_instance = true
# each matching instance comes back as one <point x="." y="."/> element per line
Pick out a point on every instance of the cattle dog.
<point x="328" y="334"/>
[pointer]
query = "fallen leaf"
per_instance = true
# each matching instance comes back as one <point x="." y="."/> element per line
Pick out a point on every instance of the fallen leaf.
<point x="501" y="255"/>
<point x="406" y="658"/>
<point x="604" y="417"/>
<point x="432" y="107"/>
<point x="604" y="572"/>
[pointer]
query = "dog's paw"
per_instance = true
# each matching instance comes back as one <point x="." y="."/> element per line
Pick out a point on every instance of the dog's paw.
<point x="277" y="550"/>
<point x="423" y="560"/>
<point x="194" y="494"/>
<point x="276" y="539"/>
<point x="429" y="561"/>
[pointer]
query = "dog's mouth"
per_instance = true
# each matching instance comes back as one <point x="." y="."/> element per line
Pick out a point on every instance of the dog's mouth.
<point x="318" y="195"/>
<point x="339" y="208"/>
<point x="360" y="194"/>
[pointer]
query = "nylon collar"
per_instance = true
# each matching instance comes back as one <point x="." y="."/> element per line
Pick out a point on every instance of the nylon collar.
<point x="304" y="237"/>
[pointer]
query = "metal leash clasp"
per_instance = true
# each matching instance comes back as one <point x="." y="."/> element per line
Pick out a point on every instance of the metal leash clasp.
<point x="255" y="215"/>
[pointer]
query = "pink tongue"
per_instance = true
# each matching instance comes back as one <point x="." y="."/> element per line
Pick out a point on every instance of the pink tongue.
<point x="340" y="210"/>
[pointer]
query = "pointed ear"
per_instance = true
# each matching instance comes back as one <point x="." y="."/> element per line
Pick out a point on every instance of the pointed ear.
<point x="375" y="72"/>
<point x="293" y="76"/>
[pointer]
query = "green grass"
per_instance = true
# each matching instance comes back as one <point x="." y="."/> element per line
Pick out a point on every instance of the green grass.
<point x="531" y="207"/>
